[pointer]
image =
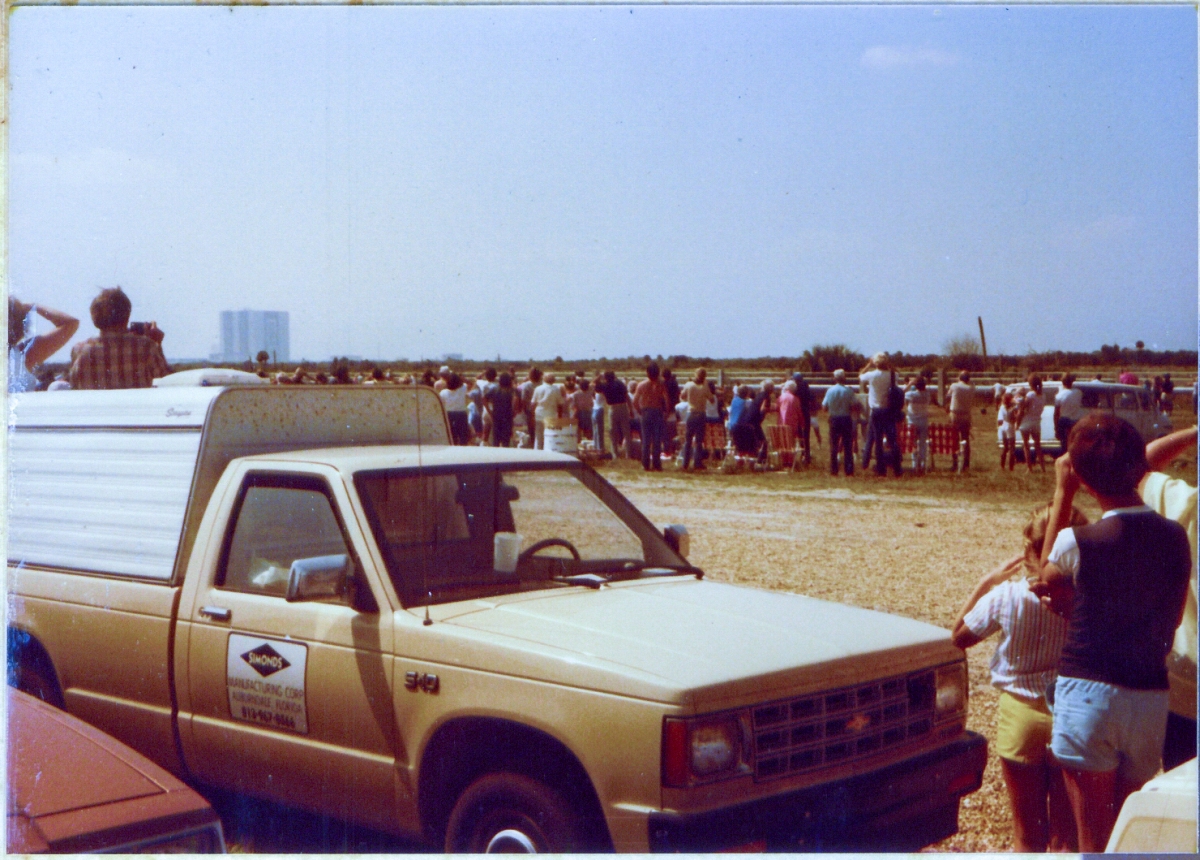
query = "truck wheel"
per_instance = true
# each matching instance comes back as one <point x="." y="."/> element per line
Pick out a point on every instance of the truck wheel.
<point x="33" y="679"/>
<point x="507" y="813"/>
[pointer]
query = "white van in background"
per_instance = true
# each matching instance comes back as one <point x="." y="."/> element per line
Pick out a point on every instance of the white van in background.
<point x="1133" y="404"/>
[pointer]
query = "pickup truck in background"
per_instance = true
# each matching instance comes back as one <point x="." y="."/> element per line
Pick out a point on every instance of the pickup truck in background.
<point x="1128" y="402"/>
<point x="308" y="595"/>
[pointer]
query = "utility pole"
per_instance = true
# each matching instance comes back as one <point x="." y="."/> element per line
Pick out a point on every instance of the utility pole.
<point x="982" y="339"/>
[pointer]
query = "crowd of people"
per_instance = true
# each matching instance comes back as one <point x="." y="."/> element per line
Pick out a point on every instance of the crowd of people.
<point x="604" y="412"/>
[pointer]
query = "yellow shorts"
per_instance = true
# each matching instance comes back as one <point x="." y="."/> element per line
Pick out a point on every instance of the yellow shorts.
<point x="1022" y="729"/>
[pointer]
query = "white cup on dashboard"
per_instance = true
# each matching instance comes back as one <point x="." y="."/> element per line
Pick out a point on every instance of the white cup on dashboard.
<point x="507" y="546"/>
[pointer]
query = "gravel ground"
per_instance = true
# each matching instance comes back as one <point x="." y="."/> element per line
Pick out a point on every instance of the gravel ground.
<point x="900" y="551"/>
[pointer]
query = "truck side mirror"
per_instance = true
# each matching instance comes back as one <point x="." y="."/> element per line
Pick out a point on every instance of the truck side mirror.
<point x="318" y="577"/>
<point x="678" y="539"/>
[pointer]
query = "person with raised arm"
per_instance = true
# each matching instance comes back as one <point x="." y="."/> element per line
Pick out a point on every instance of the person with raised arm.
<point x="26" y="353"/>
<point x="1122" y="582"/>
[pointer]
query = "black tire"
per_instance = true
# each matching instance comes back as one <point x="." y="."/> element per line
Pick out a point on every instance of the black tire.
<point x="28" y="673"/>
<point x="507" y="813"/>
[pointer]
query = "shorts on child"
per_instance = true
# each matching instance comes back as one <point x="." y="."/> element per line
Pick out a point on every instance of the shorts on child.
<point x="1101" y="727"/>
<point x="1022" y="729"/>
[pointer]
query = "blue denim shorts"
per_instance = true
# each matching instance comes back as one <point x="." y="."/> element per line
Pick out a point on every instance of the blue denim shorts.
<point x="1101" y="727"/>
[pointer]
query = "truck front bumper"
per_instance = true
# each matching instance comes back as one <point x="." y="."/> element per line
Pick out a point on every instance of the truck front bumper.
<point x="902" y="807"/>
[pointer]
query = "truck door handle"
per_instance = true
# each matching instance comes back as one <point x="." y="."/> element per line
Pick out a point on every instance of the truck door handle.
<point x="216" y="613"/>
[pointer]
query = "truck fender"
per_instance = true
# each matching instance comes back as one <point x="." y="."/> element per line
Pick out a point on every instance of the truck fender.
<point x="30" y="668"/>
<point x="466" y="748"/>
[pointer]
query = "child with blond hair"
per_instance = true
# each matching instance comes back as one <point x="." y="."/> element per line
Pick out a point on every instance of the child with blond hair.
<point x="1024" y="665"/>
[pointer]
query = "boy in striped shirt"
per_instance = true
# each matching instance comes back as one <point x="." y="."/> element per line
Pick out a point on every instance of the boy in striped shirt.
<point x="1024" y="665"/>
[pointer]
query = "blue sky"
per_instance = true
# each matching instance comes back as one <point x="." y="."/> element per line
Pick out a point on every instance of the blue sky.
<point x="613" y="180"/>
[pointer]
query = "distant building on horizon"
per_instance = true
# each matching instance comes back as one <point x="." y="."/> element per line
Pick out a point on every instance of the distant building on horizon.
<point x="245" y="333"/>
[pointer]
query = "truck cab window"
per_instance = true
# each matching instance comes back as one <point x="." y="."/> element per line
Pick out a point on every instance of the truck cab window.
<point x="1093" y="399"/>
<point x="275" y="526"/>
<point x="437" y="531"/>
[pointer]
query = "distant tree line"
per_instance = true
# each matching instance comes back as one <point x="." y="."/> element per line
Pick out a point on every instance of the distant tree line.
<point x="962" y="353"/>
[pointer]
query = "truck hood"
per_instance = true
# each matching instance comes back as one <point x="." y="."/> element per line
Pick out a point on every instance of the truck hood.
<point x="695" y="642"/>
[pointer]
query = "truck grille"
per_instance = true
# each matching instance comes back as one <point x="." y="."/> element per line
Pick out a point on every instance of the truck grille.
<point x="838" y="726"/>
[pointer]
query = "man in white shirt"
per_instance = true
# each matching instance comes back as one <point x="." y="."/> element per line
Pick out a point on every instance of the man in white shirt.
<point x="550" y="403"/>
<point x="1068" y="408"/>
<point x="877" y="376"/>
<point x="960" y="397"/>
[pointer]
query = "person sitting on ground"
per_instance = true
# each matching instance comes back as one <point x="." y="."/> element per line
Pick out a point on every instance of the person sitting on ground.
<point x="26" y="353"/>
<point x="1124" y="582"/>
<point x="747" y="431"/>
<point x="1023" y="665"/>
<point x="119" y="357"/>
<point x="761" y="406"/>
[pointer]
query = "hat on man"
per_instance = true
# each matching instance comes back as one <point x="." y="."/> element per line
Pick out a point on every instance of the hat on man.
<point x="839" y="374"/>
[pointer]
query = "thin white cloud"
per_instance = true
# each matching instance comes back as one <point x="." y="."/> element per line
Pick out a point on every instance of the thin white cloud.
<point x="97" y="167"/>
<point x="905" y="57"/>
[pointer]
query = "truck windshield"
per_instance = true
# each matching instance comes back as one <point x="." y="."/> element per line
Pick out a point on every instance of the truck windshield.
<point x="437" y="531"/>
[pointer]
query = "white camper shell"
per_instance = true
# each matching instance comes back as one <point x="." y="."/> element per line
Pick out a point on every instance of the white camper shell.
<point x="137" y="468"/>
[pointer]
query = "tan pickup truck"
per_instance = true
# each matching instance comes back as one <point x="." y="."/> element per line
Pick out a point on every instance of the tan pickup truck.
<point x="306" y="594"/>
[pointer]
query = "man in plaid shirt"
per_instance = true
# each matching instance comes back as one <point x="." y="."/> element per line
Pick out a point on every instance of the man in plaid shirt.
<point x="118" y="358"/>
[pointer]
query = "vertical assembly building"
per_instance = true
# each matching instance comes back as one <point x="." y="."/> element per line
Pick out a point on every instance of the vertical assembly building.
<point x="244" y="333"/>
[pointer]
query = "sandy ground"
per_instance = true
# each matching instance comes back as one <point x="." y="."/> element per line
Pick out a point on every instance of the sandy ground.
<point x="900" y="551"/>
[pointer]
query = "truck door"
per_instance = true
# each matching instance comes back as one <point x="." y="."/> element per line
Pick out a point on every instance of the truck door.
<point x="290" y="699"/>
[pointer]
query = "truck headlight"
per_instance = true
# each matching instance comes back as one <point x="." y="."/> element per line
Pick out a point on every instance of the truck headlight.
<point x="702" y="749"/>
<point x="950" y="690"/>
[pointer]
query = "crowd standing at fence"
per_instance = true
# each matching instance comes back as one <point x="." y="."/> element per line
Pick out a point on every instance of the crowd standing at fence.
<point x="763" y="426"/>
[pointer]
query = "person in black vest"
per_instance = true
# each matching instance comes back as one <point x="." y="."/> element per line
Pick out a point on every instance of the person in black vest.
<point x="1122" y="581"/>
